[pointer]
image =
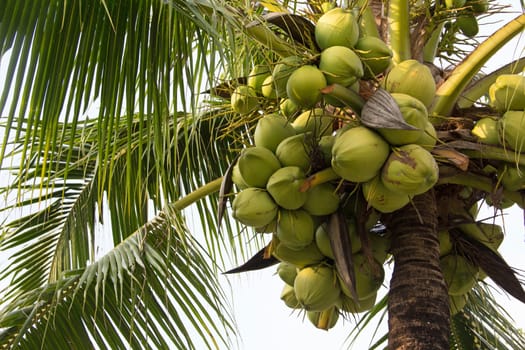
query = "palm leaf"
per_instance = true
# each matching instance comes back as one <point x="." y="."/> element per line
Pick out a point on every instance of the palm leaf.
<point x="154" y="290"/>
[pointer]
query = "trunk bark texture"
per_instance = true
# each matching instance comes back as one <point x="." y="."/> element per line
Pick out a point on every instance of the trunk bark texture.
<point x="418" y="302"/>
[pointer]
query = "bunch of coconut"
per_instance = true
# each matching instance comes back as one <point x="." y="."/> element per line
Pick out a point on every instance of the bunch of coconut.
<point x="506" y="128"/>
<point x="461" y="274"/>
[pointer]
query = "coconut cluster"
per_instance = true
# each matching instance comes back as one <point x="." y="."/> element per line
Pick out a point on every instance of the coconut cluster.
<point x="312" y="156"/>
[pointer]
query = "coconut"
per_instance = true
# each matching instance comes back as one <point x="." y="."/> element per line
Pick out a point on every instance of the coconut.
<point x="309" y="255"/>
<point x="508" y="92"/>
<point x="428" y="138"/>
<point x="254" y="207"/>
<point x="325" y="319"/>
<point x="414" y="113"/>
<point x="282" y="71"/>
<point x="284" y="185"/>
<point x="337" y="27"/>
<point x="322" y="239"/>
<point x="256" y="165"/>
<point x="348" y="304"/>
<point x="380" y="245"/>
<point x="511" y="130"/>
<point x="271" y="130"/>
<point x="460" y="274"/>
<point x="321" y="200"/>
<point x="512" y="177"/>
<point x="257" y="76"/>
<point x="454" y="4"/>
<point x="445" y="244"/>
<point x="457" y="303"/>
<point x="244" y="100"/>
<point x="486" y="131"/>
<point x="316" y="287"/>
<point x="358" y="154"/>
<point x="325" y="145"/>
<point x="268" y="88"/>
<point x="237" y="178"/>
<point x="304" y="86"/>
<point x="340" y="65"/>
<point x="410" y="170"/>
<point x="295" y="228"/>
<point x="288" y="108"/>
<point x="478" y="6"/>
<point x="314" y="121"/>
<point x="287" y="272"/>
<point x="295" y="151"/>
<point x="369" y="276"/>
<point x="490" y="235"/>
<point x="375" y="55"/>
<point x="381" y="198"/>
<point x="289" y="298"/>
<point x="412" y="78"/>
<point x="468" y="25"/>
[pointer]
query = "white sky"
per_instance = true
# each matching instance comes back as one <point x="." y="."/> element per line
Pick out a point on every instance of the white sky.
<point x="266" y="323"/>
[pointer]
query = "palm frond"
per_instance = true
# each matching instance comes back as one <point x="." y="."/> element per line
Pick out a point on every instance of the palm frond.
<point x="154" y="290"/>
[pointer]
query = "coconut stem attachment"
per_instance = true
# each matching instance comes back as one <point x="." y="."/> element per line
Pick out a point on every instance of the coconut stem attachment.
<point x="345" y="95"/>
<point x="318" y="178"/>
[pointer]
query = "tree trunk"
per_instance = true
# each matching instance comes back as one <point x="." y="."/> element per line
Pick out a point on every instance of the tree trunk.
<point x="418" y="304"/>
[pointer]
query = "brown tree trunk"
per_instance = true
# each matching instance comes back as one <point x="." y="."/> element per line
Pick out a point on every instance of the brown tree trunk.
<point x="418" y="304"/>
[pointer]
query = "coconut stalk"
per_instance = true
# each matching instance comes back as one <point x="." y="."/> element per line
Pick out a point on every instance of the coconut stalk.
<point x="481" y="86"/>
<point x="449" y="92"/>
<point x="418" y="302"/>
<point x="399" y="30"/>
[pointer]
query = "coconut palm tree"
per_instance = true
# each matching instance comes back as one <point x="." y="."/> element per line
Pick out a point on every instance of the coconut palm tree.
<point x="118" y="118"/>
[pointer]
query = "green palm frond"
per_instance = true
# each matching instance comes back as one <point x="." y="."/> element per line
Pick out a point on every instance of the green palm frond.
<point x="154" y="290"/>
<point x="483" y="324"/>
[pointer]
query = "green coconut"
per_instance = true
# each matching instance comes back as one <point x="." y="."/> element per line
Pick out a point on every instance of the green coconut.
<point x="454" y="4"/>
<point x="271" y="130"/>
<point x="254" y="207"/>
<point x="337" y="27"/>
<point x="511" y="130"/>
<point x="289" y="298"/>
<point x="414" y="113"/>
<point x="380" y="244"/>
<point x="457" y="303"/>
<point x="317" y="288"/>
<point x="478" y="6"/>
<point x="428" y="138"/>
<point x="295" y="151"/>
<point x="287" y="272"/>
<point x="445" y="243"/>
<point x="381" y="198"/>
<point x="309" y="255"/>
<point x="410" y="170"/>
<point x="256" y="165"/>
<point x="375" y="55"/>
<point x="486" y="131"/>
<point x="358" y="154"/>
<point x="285" y="187"/>
<point x="340" y="65"/>
<point x="282" y="71"/>
<point x="369" y="276"/>
<point x="512" y="177"/>
<point x="489" y="234"/>
<point x="321" y="200"/>
<point x="295" y="228"/>
<point x="257" y="76"/>
<point x="237" y="178"/>
<point x="268" y="88"/>
<point x="244" y="100"/>
<point x="325" y="145"/>
<point x="348" y="304"/>
<point x="304" y="86"/>
<point x="460" y="274"/>
<point x="314" y="121"/>
<point x="325" y="319"/>
<point x="322" y="239"/>
<point x="288" y="108"/>
<point x="412" y="78"/>
<point x="508" y="92"/>
<point x="468" y="25"/>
